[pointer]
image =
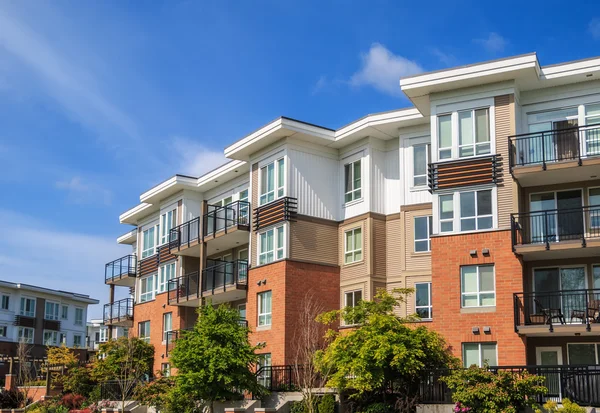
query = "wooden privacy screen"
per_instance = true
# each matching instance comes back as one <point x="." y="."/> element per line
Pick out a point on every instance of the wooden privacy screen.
<point x="283" y="209"/>
<point x="469" y="172"/>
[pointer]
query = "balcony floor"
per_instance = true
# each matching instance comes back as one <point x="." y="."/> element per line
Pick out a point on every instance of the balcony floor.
<point x="189" y="250"/>
<point x="558" y="172"/>
<point x="222" y="241"/>
<point x="559" y="250"/>
<point x="126" y="280"/>
<point x="230" y="293"/>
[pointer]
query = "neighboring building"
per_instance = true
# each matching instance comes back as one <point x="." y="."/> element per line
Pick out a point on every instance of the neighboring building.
<point x="483" y="197"/>
<point x="97" y="333"/>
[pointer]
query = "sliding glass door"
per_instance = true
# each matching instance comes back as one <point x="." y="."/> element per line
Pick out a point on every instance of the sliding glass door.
<point x="556" y="216"/>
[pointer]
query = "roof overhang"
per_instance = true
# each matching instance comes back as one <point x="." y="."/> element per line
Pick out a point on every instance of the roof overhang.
<point x="65" y="294"/>
<point x="139" y="211"/>
<point x="169" y="187"/>
<point x="224" y="173"/>
<point x="128" y="238"/>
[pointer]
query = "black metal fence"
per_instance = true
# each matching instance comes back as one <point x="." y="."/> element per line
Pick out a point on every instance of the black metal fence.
<point x="223" y="273"/>
<point x="186" y="287"/>
<point x="123" y="267"/>
<point x="554" y="146"/>
<point x="221" y="218"/>
<point x="118" y="311"/>
<point x="279" y="378"/>
<point x="555" y="225"/>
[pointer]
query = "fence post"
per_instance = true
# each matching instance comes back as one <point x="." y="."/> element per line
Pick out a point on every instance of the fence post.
<point x="546" y="235"/>
<point x="543" y="153"/>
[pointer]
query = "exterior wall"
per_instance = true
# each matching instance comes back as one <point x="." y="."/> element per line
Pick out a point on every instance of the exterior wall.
<point x="505" y="127"/>
<point x="449" y="253"/>
<point x="562" y="342"/>
<point x="586" y="262"/>
<point x="584" y="186"/>
<point x="313" y="240"/>
<point x="356" y="276"/>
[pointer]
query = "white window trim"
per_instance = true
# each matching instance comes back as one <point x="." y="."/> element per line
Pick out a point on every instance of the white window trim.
<point x="81" y="341"/>
<point x="164" y="238"/>
<point x="161" y="286"/>
<point x="353" y="190"/>
<point x="474" y="129"/>
<point x="260" y="309"/>
<point x="276" y="247"/>
<point x="34" y="306"/>
<point x="353" y="292"/>
<point x="152" y="292"/>
<point x="5" y="326"/>
<point x="596" y="344"/>
<point x="8" y="300"/>
<point x="23" y="329"/>
<point x="277" y="185"/>
<point x="52" y="316"/>
<point x="412" y="185"/>
<point x="456" y="206"/>
<point x="429" y="219"/>
<point x="55" y="338"/>
<point x="355" y="250"/>
<point x="77" y="323"/>
<point x="478" y="292"/>
<point x="480" y="352"/>
<point x="62" y="307"/>
<point x="154" y="249"/>
<point x="164" y="336"/>
<point x="430" y="306"/>
<point x="144" y="338"/>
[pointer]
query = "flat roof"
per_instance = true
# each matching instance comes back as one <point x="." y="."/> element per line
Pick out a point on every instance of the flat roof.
<point x="66" y="294"/>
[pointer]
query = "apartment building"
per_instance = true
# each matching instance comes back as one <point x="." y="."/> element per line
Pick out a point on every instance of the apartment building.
<point x="483" y="197"/>
<point x="97" y="333"/>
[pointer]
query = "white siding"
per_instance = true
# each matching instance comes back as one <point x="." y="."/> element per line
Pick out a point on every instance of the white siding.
<point x="411" y="195"/>
<point x="229" y="188"/>
<point x="378" y="175"/>
<point x="392" y="182"/>
<point x="361" y="206"/>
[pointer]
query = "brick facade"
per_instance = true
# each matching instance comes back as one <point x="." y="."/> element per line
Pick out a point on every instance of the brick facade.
<point x="451" y="252"/>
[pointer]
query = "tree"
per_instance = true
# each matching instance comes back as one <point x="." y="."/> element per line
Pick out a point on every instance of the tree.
<point x="27" y="374"/>
<point x="156" y="393"/>
<point x="309" y="338"/>
<point x="214" y="361"/>
<point x="381" y="360"/>
<point x="484" y="391"/>
<point x="126" y="361"/>
<point x="61" y="356"/>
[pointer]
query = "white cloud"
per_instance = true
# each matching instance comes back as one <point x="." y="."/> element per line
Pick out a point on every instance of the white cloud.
<point x="84" y="192"/>
<point x="444" y="58"/>
<point x="383" y="69"/>
<point x="190" y="157"/>
<point x="594" y="28"/>
<point x="494" y="43"/>
<point x="320" y="85"/>
<point x="32" y="252"/>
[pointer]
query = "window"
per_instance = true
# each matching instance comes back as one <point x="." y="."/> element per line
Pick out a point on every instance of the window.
<point x="479" y="353"/>
<point x="583" y="353"/>
<point x="446" y="213"/>
<point x="25" y="335"/>
<point x="423" y="226"/>
<point x="352" y="181"/>
<point x="272" y="183"/>
<point x="473" y="132"/>
<point x="592" y="135"/>
<point x="353" y="245"/>
<point x="476" y="210"/>
<point x="62" y="338"/>
<point x="147" y="288"/>
<point x="5" y="301"/>
<point x="3" y="331"/>
<point x="244" y="208"/>
<point x="477" y="286"/>
<point x="351" y="299"/>
<point x="64" y="312"/>
<point x="149" y="242"/>
<point x="271" y="245"/>
<point x="167" y="324"/>
<point x="144" y="331"/>
<point x="423" y="300"/>
<point x="103" y="335"/>
<point x="51" y="338"/>
<point x="77" y="341"/>
<point x="28" y="307"/>
<point x="167" y="222"/>
<point x="420" y="163"/>
<point x="165" y="368"/>
<point x="263" y="369"/>
<point x="445" y="137"/>
<point x="264" y="308"/>
<point x="242" y="310"/>
<point x="51" y="311"/>
<point x="166" y="273"/>
<point x="78" y="316"/>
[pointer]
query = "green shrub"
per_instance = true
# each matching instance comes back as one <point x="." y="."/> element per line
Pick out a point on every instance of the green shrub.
<point x="327" y="404"/>
<point x="568" y="407"/>
<point x="297" y="407"/>
<point x="377" y="408"/>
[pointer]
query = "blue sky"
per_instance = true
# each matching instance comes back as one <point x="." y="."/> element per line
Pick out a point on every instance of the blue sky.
<point x="101" y="100"/>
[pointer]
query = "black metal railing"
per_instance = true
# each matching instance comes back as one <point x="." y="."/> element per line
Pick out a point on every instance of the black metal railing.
<point x="279" y="378"/>
<point x="557" y="307"/>
<point x="184" y="288"/>
<point x="580" y="384"/>
<point x="541" y="148"/>
<point x="183" y="235"/>
<point x="221" y="274"/>
<point x="172" y="336"/>
<point x="123" y="267"/>
<point x="555" y="225"/>
<point x="118" y="311"/>
<point x="222" y="218"/>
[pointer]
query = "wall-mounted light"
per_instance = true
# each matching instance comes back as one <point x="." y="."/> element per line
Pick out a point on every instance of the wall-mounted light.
<point x="259" y="282"/>
<point x="475" y="330"/>
<point x="473" y="253"/>
<point x="264" y="281"/>
<point x="487" y="330"/>
<point x="485" y="251"/>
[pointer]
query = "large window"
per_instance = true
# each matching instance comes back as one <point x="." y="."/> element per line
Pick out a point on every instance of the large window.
<point x="51" y="338"/>
<point x="479" y="353"/>
<point x="25" y="335"/>
<point x="144" y="331"/>
<point x="423" y="227"/>
<point x="444" y="137"/>
<point x="583" y="353"/>
<point x="5" y="302"/>
<point x="423" y="306"/>
<point x="263" y="370"/>
<point x="51" y="311"/>
<point x="264" y="308"/>
<point x="78" y="316"/>
<point x="271" y="245"/>
<point x="272" y="181"/>
<point x="352" y="181"/>
<point x="165" y="274"/>
<point x="477" y="286"/>
<point x="147" y="288"/>
<point x="351" y="299"/>
<point x="353" y="245"/>
<point x="167" y="222"/>
<point x="28" y="307"/>
<point x="77" y="341"/>
<point x="64" y="312"/>
<point x="476" y="211"/>
<point x="244" y="208"/>
<point x="103" y="335"/>
<point x="446" y="213"/>
<point x="473" y="132"/>
<point x="420" y="163"/>
<point x="149" y="242"/>
<point x="167" y="324"/>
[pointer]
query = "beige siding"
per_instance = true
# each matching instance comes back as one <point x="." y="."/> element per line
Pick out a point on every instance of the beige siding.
<point x="379" y="242"/>
<point x="363" y="284"/>
<point x="414" y="261"/>
<point x="233" y="251"/>
<point x="394" y="248"/>
<point x="349" y="272"/>
<point x="505" y="127"/>
<point x="400" y="310"/>
<point x="314" y="240"/>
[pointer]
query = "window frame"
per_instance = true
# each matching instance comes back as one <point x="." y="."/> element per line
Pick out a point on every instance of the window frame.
<point x="77" y="336"/>
<point x="162" y="284"/>
<point x="64" y="316"/>
<point x="144" y="337"/>
<point x="278" y="252"/>
<point x="265" y="318"/>
<point x="429" y="307"/>
<point x="23" y="307"/>
<point x="478" y="293"/>
<point x="164" y="324"/>
<point x="479" y="347"/>
<point x="474" y="131"/>
<point x="456" y="218"/>
<point x="429" y="221"/>
<point x="355" y="189"/>
<point x="351" y="293"/>
<point x="150" y="251"/>
<point x="103" y="335"/>
<point x="56" y="306"/>
<point x="20" y="335"/>
<point x="54" y="338"/>
<point x="414" y="163"/>
<point x="152" y="293"/>
<point x="76" y="321"/>
<point x="2" y="306"/>
<point x="354" y="251"/>
<point x="166" y="229"/>
<point x="4" y="331"/>
<point x="279" y="188"/>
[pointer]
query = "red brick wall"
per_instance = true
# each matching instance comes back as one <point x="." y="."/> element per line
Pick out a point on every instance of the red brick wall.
<point x="451" y="252"/>
<point x="289" y="282"/>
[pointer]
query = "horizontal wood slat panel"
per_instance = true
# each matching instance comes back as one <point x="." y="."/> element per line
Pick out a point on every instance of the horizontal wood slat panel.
<point x="461" y="173"/>
<point x="52" y="325"/>
<point x="284" y="209"/>
<point x="164" y="255"/>
<point x="148" y="265"/>
<point x="23" y="321"/>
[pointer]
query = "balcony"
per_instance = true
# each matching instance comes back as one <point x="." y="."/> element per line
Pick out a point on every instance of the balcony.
<point x="122" y="271"/>
<point x="183" y="238"/>
<point x="555" y="156"/>
<point x="557" y="233"/>
<point x="226" y="226"/>
<point x="567" y="312"/>
<point x="119" y="313"/>
<point x="225" y="280"/>
<point x="185" y="290"/>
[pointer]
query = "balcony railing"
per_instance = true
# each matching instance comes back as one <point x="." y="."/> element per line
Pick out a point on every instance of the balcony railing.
<point x="224" y="273"/>
<point x="184" y="288"/>
<point x="119" y="311"/>
<point x="222" y="218"/>
<point x="278" y="378"/>
<point x="541" y="148"/>
<point x="123" y="267"/>
<point x="556" y="225"/>
<point x="183" y="235"/>
<point x="580" y="384"/>
<point x="557" y="308"/>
